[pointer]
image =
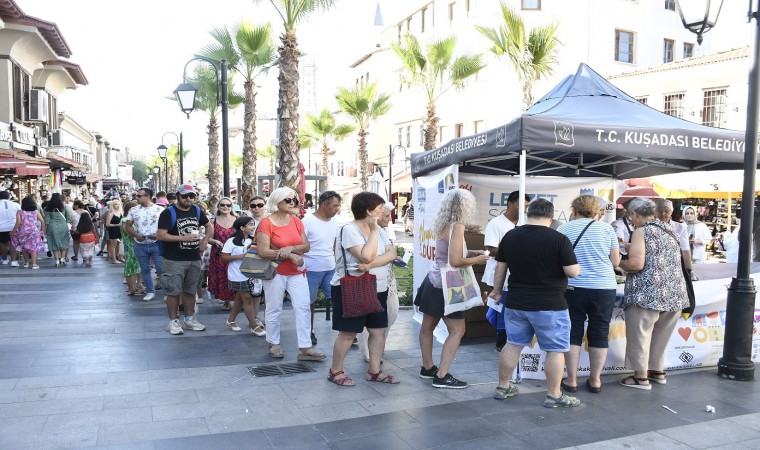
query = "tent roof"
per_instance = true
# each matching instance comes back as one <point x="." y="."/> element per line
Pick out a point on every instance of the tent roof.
<point x="585" y="126"/>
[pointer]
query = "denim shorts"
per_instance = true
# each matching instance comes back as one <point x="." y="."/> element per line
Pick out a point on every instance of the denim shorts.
<point x="552" y="328"/>
<point x="318" y="280"/>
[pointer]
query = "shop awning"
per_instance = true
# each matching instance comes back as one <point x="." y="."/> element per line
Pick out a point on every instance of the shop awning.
<point x="23" y="167"/>
<point x="57" y="161"/>
<point x="11" y="163"/>
<point x="32" y="170"/>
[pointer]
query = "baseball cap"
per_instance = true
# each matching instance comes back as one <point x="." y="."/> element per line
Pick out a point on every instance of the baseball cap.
<point x="185" y="189"/>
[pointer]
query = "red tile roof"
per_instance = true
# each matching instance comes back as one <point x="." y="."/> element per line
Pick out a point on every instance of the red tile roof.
<point x="12" y="13"/>
<point x="73" y="69"/>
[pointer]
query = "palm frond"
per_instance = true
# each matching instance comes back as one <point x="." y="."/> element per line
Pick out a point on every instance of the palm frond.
<point x="225" y="48"/>
<point x="465" y="67"/>
<point x="542" y="45"/>
<point x="496" y="36"/>
<point x="363" y="103"/>
<point x="343" y="131"/>
<point x="255" y="46"/>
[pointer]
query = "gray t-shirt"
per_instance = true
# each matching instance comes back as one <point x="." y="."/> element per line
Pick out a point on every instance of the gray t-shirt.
<point x="351" y="237"/>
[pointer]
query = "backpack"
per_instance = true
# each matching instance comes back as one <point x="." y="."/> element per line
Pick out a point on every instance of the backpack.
<point x="173" y="212"/>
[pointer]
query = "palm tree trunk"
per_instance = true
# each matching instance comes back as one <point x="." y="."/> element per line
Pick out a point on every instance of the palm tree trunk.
<point x="288" y="157"/>
<point x="249" y="143"/>
<point x="325" y="169"/>
<point x="527" y="93"/>
<point x="214" y="188"/>
<point x="431" y="127"/>
<point x="363" y="178"/>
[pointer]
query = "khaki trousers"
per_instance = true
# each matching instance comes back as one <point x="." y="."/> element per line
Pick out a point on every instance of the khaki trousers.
<point x="647" y="334"/>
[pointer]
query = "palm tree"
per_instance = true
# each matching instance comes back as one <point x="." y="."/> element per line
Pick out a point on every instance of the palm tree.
<point x="205" y="100"/>
<point x="532" y="54"/>
<point x="322" y="129"/>
<point x="250" y="53"/>
<point x="364" y="105"/>
<point x="269" y="152"/>
<point x="436" y="70"/>
<point x="291" y="12"/>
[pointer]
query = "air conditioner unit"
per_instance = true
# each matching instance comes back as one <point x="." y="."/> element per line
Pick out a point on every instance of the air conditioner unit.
<point x="38" y="105"/>
<point x="56" y="137"/>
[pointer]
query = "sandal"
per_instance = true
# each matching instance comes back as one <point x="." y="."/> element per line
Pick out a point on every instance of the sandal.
<point x="653" y="376"/>
<point x="567" y="387"/>
<point x="311" y="355"/>
<point x="233" y="326"/>
<point x="593" y="389"/>
<point x="275" y="351"/>
<point x="636" y="383"/>
<point x="388" y="379"/>
<point x="503" y="393"/>
<point x="342" y="381"/>
<point x="563" y="401"/>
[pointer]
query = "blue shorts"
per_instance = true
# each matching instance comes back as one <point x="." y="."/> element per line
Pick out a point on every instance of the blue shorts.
<point x="318" y="280"/>
<point x="551" y="328"/>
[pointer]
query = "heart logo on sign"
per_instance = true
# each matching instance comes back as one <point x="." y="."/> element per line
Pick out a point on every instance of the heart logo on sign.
<point x="685" y="332"/>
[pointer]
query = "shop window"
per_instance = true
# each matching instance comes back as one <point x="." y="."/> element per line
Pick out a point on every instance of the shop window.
<point x="452" y="8"/>
<point x="422" y="135"/>
<point x="714" y="108"/>
<point x="441" y="133"/>
<point x="423" y="12"/>
<point x="20" y="93"/>
<point x="624" y="46"/>
<point x="688" y="50"/>
<point x="643" y="100"/>
<point x="341" y="168"/>
<point x="531" y="4"/>
<point x="668" y="48"/>
<point x="478" y="126"/>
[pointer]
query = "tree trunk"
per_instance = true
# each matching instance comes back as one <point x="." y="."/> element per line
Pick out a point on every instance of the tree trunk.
<point x="431" y="127"/>
<point x="527" y="94"/>
<point x="363" y="178"/>
<point x="214" y="188"/>
<point x="249" y="143"/>
<point x="288" y="152"/>
<point x="271" y="164"/>
<point x="325" y="169"/>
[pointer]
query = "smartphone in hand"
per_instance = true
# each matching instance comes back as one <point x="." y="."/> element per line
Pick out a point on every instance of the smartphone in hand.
<point x="400" y="263"/>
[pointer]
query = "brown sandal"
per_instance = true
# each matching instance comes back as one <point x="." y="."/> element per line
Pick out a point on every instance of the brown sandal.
<point x="636" y="383"/>
<point x="388" y="379"/>
<point x="342" y="381"/>
<point x="653" y="376"/>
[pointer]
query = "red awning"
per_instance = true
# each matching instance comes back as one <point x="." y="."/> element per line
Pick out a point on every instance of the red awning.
<point x="30" y="169"/>
<point x="11" y="163"/>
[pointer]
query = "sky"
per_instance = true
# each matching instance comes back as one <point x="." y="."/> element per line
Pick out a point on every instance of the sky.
<point x="133" y="54"/>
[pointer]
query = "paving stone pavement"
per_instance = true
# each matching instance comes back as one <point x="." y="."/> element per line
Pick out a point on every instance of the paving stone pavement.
<point x="82" y="365"/>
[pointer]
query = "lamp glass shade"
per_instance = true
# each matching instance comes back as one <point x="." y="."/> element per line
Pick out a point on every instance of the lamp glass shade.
<point x="162" y="149"/>
<point x="185" y="94"/>
<point x="156" y="169"/>
<point x="699" y="16"/>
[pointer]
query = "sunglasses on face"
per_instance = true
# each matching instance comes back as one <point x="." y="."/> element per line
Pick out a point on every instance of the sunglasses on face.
<point x="190" y="195"/>
<point x="225" y="205"/>
<point x="291" y="200"/>
<point x="256" y="205"/>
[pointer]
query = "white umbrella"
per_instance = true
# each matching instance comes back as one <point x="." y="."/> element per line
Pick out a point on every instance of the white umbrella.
<point x="377" y="185"/>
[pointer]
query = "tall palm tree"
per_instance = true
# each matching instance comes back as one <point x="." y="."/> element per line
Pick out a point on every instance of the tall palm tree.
<point x="291" y="12"/>
<point x="269" y="152"/>
<point x="436" y="70"/>
<point x="205" y="100"/>
<point x="249" y="52"/>
<point x="532" y="54"/>
<point x="323" y="130"/>
<point x="364" y="105"/>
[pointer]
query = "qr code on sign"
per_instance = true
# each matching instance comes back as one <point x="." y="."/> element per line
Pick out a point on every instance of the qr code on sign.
<point x="529" y="362"/>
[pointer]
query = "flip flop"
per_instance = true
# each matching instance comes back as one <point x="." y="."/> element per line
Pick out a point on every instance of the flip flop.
<point x="275" y="351"/>
<point x="592" y="389"/>
<point x="636" y="384"/>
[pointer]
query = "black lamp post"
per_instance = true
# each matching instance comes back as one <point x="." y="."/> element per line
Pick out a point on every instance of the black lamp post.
<point x="162" y="154"/>
<point x="185" y="94"/>
<point x="157" y="174"/>
<point x="164" y="149"/>
<point x="736" y="363"/>
<point x="392" y="149"/>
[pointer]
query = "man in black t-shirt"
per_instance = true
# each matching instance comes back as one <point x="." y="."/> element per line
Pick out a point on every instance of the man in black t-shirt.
<point x="185" y="232"/>
<point x="539" y="260"/>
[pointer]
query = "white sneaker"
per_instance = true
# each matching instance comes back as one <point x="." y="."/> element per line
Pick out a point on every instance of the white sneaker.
<point x="174" y="327"/>
<point x="193" y="324"/>
<point x="150" y="296"/>
<point x="198" y="300"/>
<point x="14" y="263"/>
<point x="5" y="262"/>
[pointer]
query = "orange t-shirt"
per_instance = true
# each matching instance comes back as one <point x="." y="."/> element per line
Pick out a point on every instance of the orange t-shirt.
<point x="281" y="237"/>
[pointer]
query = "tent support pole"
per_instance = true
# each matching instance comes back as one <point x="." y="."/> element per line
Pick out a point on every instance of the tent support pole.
<point x="736" y="363"/>
<point x="523" y="170"/>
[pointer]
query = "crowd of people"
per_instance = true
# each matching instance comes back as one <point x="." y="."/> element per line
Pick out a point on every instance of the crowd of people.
<point x="556" y="282"/>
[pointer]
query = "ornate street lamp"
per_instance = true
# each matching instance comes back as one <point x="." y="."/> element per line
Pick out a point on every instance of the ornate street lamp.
<point x="699" y="16"/>
<point x="157" y="172"/>
<point x="185" y="94"/>
<point x="736" y="363"/>
<point x="163" y="148"/>
<point x="162" y="154"/>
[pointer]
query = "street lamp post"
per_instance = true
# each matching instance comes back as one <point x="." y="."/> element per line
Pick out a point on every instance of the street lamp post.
<point x="157" y="173"/>
<point x="185" y="94"/>
<point x="164" y="149"/>
<point x="736" y="363"/>
<point x="391" y="149"/>
<point x="162" y="154"/>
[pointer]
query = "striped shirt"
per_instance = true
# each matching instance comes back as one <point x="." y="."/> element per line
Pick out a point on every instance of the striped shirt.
<point x="593" y="253"/>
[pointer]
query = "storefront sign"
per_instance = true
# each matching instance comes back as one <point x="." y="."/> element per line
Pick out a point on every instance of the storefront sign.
<point x="78" y="180"/>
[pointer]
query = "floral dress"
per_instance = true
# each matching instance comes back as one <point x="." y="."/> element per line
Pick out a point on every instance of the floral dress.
<point x="217" y="270"/>
<point x="131" y="266"/>
<point x="28" y="236"/>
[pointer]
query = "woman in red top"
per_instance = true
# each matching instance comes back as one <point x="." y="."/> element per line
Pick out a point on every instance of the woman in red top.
<point x="217" y="269"/>
<point x="281" y="237"/>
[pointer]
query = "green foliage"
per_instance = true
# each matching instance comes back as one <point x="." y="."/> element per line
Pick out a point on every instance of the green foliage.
<point x="363" y="104"/>
<point x="323" y="129"/>
<point x="293" y="12"/>
<point x="139" y="171"/>
<point x="403" y="279"/>
<point x="248" y="49"/>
